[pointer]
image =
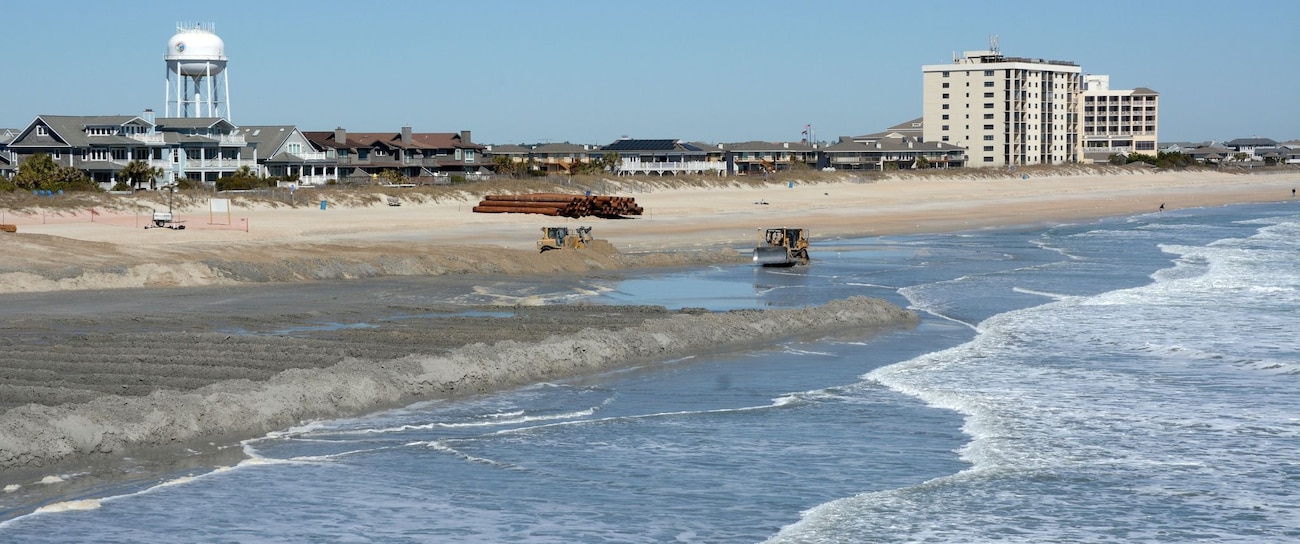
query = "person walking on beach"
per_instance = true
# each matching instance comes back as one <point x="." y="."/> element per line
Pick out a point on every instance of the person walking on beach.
<point x="1162" y="206"/>
<point x="1293" y="192"/>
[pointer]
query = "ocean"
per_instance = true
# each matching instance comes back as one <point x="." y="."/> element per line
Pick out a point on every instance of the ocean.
<point x="1135" y="379"/>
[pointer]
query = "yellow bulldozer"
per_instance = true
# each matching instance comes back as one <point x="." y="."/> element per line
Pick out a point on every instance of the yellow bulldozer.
<point x="564" y="238"/>
<point x="782" y="246"/>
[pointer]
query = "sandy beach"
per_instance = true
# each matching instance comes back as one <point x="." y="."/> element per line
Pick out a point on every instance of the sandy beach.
<point x="118" y="338"/>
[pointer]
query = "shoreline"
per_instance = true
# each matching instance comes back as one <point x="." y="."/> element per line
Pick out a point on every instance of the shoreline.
<point x="682" y="226"/>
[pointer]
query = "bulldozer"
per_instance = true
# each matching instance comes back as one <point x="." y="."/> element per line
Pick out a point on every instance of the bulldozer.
<point x="782" y="247"/>
<point x="564" y="238"/>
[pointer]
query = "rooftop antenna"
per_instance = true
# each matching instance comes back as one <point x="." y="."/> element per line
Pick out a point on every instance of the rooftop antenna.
<point x="993" y="44"/>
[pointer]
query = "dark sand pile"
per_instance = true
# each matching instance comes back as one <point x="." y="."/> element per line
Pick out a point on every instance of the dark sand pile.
<point x="100" y="391"/>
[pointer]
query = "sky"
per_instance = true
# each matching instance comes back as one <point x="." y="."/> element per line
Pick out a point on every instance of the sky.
<point x="579" y="71"/>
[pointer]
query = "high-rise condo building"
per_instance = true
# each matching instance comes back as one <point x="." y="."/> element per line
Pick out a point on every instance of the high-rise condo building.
<point x="1006" y="111"/>
<point x="1117" y="122"/>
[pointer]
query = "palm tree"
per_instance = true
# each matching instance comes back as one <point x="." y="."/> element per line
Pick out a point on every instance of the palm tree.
<point x="611" y="161"/>
<point x="137" y="172"/>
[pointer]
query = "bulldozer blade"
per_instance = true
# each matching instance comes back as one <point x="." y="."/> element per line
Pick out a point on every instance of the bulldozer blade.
<point x="769" y="256"/>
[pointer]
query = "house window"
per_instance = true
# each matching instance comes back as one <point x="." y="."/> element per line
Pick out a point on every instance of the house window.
<point x="40" y="130"/>
<point x="295" y="148"/>
<point x="988" y="95"/>
<point x="945" y="138"/>
<point x="988" y="105"/>
<point x="945" y="84"/>
<point x="988" y="73"/>
<point x="945" y="74"/>
<point x="945" y="117"/>
<point x="99" y="154"/>
<point x="119" y="154"/>
<point x="988" y="116"/>
<point x="988" y="159"/>
<point x="469" y="155"/>
<point x="988" y="83"/>
<point x="945" y="106"/>
<point x="945" y="96"/>
<point x="988" y="127"/>
<point x="945" y="127"/>
<point x="988" y="137"/>
<point x="458" y="156"/>
<point x="988" y="148"/>
<point x="1145" y="146"/>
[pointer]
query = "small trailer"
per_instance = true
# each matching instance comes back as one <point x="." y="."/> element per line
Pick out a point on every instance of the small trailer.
<point x="165" y="220"/>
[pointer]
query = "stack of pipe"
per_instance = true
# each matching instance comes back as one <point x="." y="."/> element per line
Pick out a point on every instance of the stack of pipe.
<point x="561" y="205"/>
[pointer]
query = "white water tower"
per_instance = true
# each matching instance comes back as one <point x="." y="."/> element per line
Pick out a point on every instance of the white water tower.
<point x="198" y="84"/>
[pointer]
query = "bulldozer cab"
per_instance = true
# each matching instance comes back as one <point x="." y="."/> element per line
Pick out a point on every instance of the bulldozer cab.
<point x="782" y="247"/>
<point x="563" y="238"/>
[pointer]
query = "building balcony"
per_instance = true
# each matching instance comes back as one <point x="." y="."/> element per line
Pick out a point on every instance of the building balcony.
<point x="213" y="164"/>
<point x="632" y="167"/>
<point x="154" y="138"/>
<point x="311" y="155"/>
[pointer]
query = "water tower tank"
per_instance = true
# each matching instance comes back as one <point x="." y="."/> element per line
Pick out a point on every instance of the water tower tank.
<point x="196" y="52"/>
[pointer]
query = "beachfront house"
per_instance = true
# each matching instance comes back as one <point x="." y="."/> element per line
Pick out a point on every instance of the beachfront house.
<point x="199" y="149"/>
<point x="515" y="154"/>
<point x="662" y="157"/>
<point x="562" y="158"/>
<point x="419" y="157"/>
<point x="891" y="150"/>
<point x="756" y="157"/>
<point x="1249" y="146"/>
<point x="8" y="161"/>
<point x="283" y="151"/>
<point x="1289" y="151"/>
<point x="1210" y="154"/>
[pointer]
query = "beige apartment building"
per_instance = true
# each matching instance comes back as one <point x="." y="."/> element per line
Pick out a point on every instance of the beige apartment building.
<point x="1119" y="122"/>
<point x="1006" y="111"/>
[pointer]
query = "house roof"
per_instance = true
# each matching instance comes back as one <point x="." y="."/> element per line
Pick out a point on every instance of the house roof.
<point x="755" y="145"/>
<point x="629" y="144"/>
<point x="265" y="138"/>
<point x="1251" y="142"/>
<point x="71" y="129"/>
<point x="913" y="125"/>
<point x="564" y="147"/>
<point x="419" y="140"/>
<point x="174" y="123"/>
<point x="509" y="149"/>
<point x="904" y="143"/>
<point x="1143" y="91"/>
<point x="708" y="147"/>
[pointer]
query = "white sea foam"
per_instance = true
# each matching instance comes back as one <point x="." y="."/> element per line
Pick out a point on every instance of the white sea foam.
<point x="69" y="506"/>
<point x="1055" y="296"/>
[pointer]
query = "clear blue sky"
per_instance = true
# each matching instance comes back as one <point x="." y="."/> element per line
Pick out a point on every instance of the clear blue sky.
<point x="592" y="71"/>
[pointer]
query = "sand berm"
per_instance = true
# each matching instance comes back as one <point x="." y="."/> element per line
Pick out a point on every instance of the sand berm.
<point x="34" y="436"/>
